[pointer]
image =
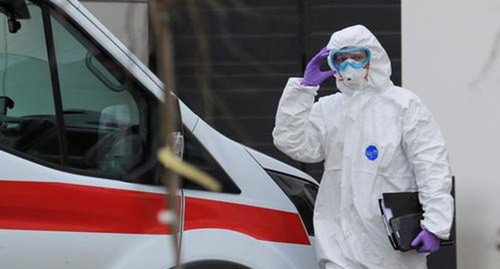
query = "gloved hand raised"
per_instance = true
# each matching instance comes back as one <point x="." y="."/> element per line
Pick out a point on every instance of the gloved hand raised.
<point x="313" y="76"/>
<point x="426" y="242"/>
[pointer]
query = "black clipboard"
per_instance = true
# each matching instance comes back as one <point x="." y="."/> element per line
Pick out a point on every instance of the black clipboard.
<point x="404" y="223"/>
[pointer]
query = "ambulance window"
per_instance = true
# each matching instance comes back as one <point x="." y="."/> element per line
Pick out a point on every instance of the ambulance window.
<point x="26" y="103"/>
<point x="105" y="114"/>
<point x="65" y="102"/>
<point x="195" y="153"/>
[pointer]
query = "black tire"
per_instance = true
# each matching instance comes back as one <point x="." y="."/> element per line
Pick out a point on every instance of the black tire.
<point x="213" y="265"/>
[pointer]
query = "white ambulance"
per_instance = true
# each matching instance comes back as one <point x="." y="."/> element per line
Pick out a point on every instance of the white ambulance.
<point x="79" y="181"/>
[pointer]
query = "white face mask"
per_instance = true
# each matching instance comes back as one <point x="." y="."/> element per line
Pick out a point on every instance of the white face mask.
<point x="354" y="78"/>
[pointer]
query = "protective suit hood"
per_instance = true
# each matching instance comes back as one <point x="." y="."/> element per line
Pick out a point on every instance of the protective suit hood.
<point x="380" y="66"/>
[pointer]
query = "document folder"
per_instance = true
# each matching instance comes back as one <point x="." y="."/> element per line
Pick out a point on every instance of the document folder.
<point x="402" y="213"/>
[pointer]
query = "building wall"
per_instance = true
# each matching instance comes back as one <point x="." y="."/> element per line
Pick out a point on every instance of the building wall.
<point x="451" y="58"/>
<point x="254" y="46"/>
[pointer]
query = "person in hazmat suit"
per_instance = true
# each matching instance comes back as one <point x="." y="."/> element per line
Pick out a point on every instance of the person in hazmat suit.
<point x="373" y="137"/>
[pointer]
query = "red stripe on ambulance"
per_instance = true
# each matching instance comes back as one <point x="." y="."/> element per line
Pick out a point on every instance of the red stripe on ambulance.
<point x="46" y="206"/>
<point x="68" y="207"/>
<point x="261" y="223"/>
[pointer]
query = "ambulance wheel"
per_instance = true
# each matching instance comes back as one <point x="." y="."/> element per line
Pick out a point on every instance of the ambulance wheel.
<point x="213" y="264"/>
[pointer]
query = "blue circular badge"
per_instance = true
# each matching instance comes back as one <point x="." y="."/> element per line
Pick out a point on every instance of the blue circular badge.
<point x="371" y="153"/>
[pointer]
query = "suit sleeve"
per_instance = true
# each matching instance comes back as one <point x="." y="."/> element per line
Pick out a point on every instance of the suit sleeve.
<point x="426" y="151"/>
<point x="299" y="129"/>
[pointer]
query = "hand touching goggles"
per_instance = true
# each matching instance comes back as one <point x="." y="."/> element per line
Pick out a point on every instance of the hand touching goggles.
<point x="357" y="58"/>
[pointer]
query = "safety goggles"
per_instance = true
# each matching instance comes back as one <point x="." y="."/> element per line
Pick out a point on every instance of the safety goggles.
<point x="357" y="58"/>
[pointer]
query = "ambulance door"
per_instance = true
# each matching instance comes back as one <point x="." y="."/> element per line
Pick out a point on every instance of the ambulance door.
<point x="78" y="178"/>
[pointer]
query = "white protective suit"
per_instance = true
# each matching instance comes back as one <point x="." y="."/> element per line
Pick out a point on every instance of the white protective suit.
<point x="343" y="129"/>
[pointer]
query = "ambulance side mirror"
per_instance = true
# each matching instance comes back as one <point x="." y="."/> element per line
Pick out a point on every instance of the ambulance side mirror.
<point x="5" y="103"/>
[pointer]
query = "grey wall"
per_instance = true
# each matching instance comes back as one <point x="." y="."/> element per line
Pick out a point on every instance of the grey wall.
<point x="254" y="46"/>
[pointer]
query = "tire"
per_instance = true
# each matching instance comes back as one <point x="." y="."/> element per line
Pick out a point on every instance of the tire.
<point x="213" y="265"/>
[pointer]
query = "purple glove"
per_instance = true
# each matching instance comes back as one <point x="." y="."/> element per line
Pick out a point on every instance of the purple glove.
<point x="426" y="242"/>
<point x="313" y="76"/>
